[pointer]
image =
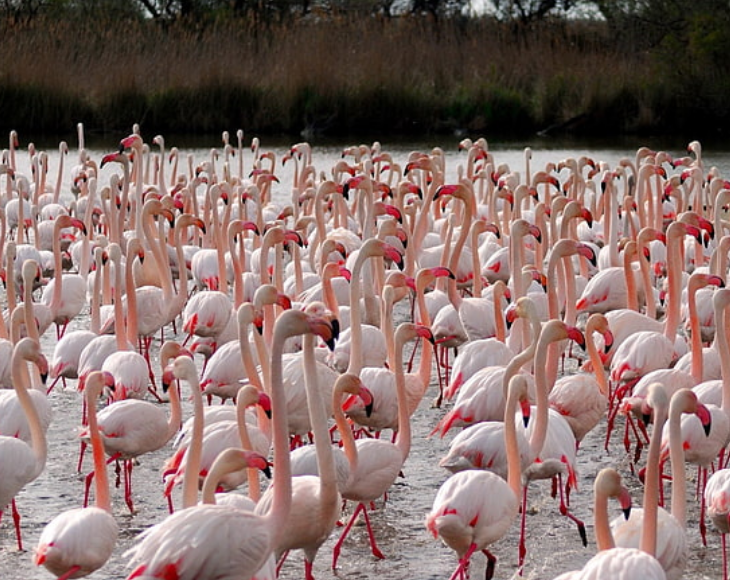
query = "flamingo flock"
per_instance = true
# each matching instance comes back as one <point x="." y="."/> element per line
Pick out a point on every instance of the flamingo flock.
<point x="409" y="345"/>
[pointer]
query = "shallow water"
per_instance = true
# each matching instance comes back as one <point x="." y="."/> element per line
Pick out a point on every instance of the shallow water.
<point x="552" y="541"/>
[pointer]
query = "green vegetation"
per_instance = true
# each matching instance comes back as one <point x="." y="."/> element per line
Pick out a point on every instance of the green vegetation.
<point x="365" y="68"/>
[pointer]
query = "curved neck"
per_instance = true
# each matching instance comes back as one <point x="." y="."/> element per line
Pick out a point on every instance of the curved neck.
<point x="598" y="369"/>
<point x="632" y="296"/>
<point x="37" y="435"/>
<point x="355" y="365"/>
<point x="601" y="523"/>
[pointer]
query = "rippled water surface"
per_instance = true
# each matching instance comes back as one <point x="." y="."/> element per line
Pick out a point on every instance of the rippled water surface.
<point x="553" y="543"/>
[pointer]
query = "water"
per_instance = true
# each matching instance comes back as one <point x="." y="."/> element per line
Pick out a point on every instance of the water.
<point x="552" y="541"/>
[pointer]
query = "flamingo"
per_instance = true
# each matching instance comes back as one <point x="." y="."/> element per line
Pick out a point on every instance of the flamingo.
<point x="473" y="509"/>
<point x="610" y="561"/>
<point x="316" y="500"/>
<point x="20" y="462"/>
<point x="482" y="396"/>
<point x="131" y="427"/>
<point x="232" y="460"/>
<point x="211" y="541"/>
<point x="65" y="294"/>
<point x="378" y="463"/>
<point x="130" y="369"/>
<point x="646" y="351"/>
<point x="79" y="541"/>
<point x="582" y="398"/>
<point x="653" y="529"/>
<point x="220" y="435"/>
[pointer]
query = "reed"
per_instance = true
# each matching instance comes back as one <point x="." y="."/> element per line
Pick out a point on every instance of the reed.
<point x="339" y="75"/>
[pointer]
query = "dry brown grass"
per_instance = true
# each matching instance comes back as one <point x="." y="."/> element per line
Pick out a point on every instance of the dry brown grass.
<point x="403" y="74"/>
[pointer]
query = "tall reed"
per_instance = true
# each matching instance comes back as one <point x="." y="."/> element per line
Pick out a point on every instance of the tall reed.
<point x="339" y="75"/>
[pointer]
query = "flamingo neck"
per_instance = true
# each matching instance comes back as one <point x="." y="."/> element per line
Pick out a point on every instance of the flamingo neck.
<point x="254" y="489"/>
<point x="329" y="495"/>
<point x="281" y="502"/>
<point x="101" y="478"/>
<point x="37" y="435"/>
<point x="195" y="449"/>
<point x="403" y="440"/>
<point x="652" y="482"/>
<point x="601" y="523"/>
<point x="676" y="456"/>
<point x="514" y="473"/>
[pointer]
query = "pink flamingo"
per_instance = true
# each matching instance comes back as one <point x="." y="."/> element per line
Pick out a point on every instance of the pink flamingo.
<point x="473" y="509"/>
<point x="610" y="561"/>
<point x="79" y="541"/>
<point x="582" y="398"/>
<point x="21" y="463"/>
<point x="316" y="500"/>
<point x="652" y="528"/>
<point x="130" y="428"/>
<point x="65" y="294"/>
<point x="377" y="462"/>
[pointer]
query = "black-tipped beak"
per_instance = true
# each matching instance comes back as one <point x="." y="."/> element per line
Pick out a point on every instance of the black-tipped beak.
<point x="267" y="472"/>
<point x="627" y="512"/>
<point x="369" y="409"/>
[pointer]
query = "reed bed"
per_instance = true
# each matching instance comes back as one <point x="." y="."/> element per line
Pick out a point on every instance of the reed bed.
<point x="339" y="76"/>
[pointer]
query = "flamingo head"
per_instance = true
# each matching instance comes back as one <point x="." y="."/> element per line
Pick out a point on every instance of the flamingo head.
<point x="264" y="402"/>
<point x="576" y="336"/>
<point x="703" y="414"/>
<point x="394" y="255"/>
<point x="525" y="408"/>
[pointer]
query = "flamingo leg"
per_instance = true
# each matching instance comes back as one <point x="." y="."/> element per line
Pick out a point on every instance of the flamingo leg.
<point x="373" y="546"/>
<point x="281" y="561"/>
<point x="703" y="508"/>
<point x="338" y="546"/>
<point x="522" y="548"/>
<point x="16" y="522"/>
<point x="723" y="541"/>
<point x="491" y="564"/>
<point x="128" y="484"/>
<point x="566" y="512"/>
<point x="70" y="573"/>
<point x="462" y="569"/>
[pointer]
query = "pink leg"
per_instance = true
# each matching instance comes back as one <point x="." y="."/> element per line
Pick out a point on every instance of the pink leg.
<point x="308" y="575"/>
<point x="522" y="548"/>
<point x="338" y="545"/>
<point x="462" y="569"/>
<point x="87" y="487"/>
<point x="70" y="573"/>
<point x="128" y="484"/>
<point x="16" y="521"/>
<point x="723" y="540"/>
<point x="566" y="512"/>
<point x="373" y="546"/>
<point x="280" y="563"/>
